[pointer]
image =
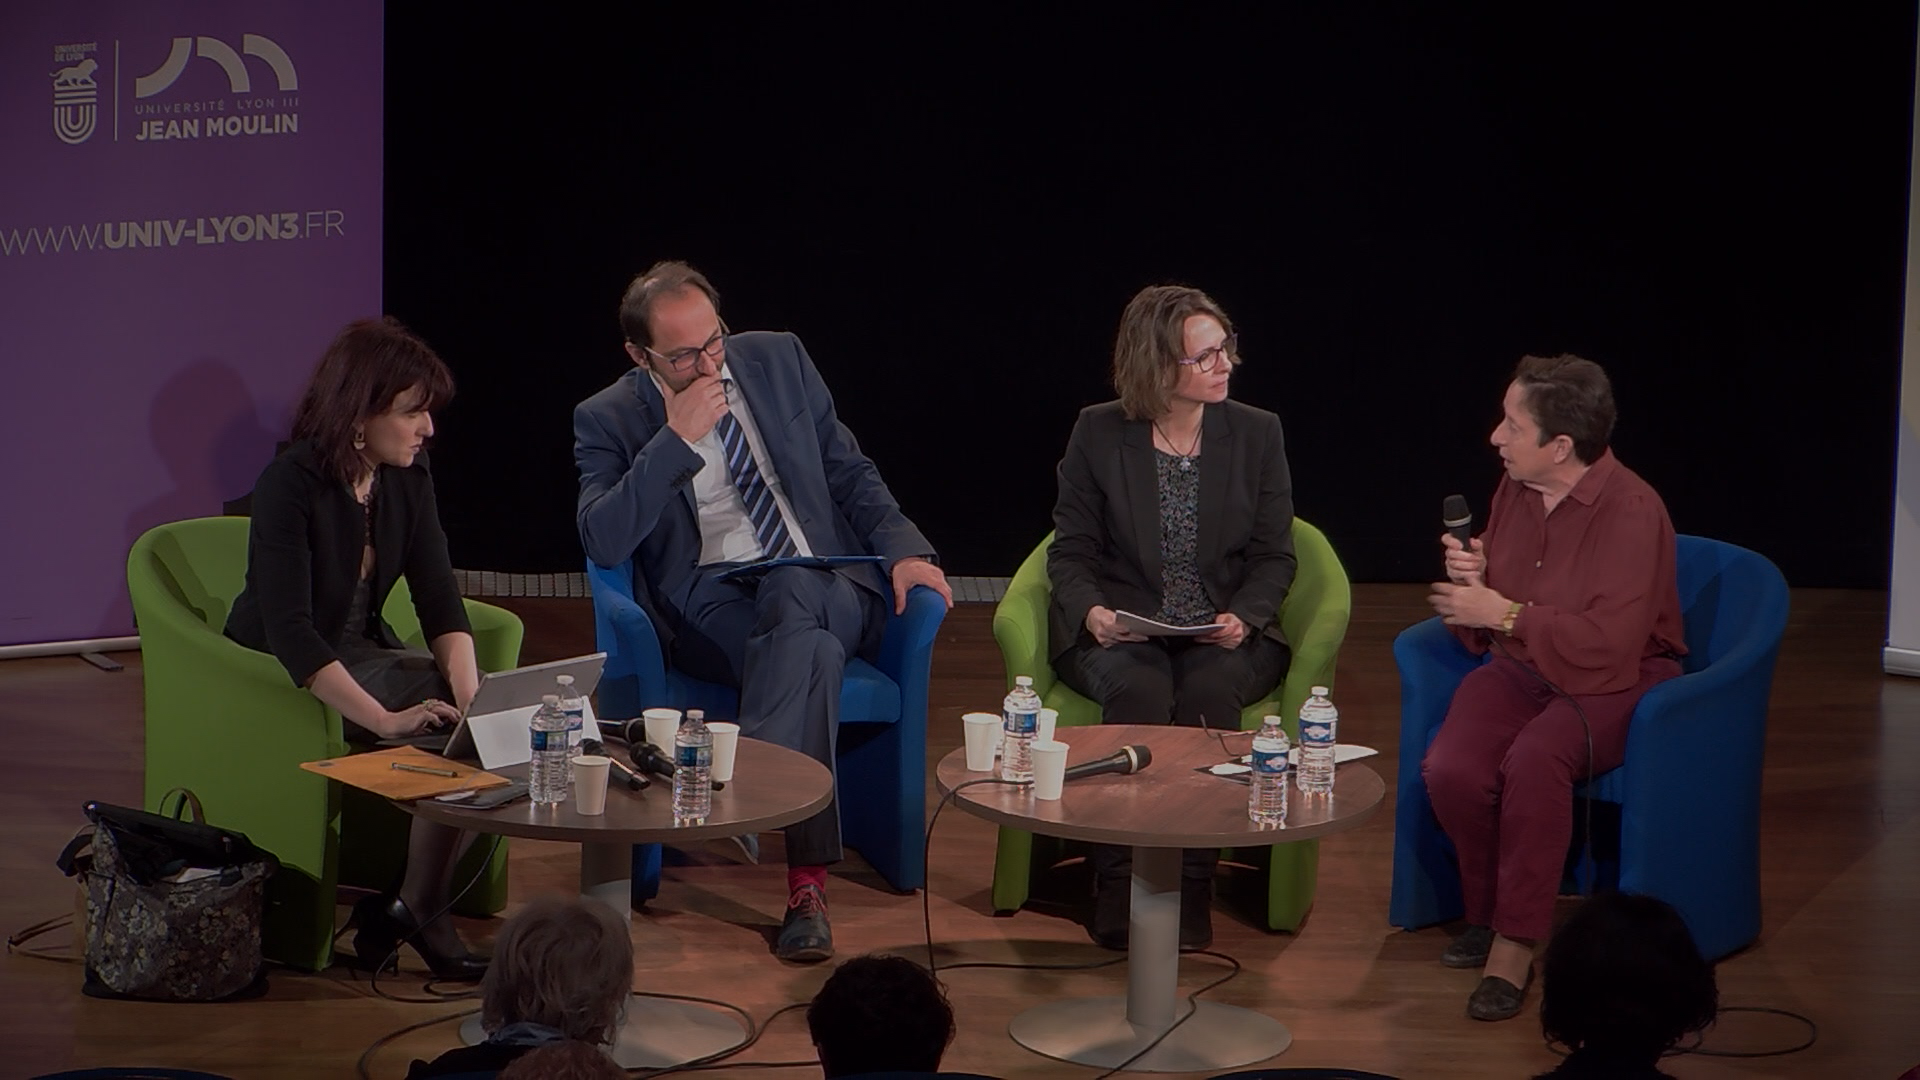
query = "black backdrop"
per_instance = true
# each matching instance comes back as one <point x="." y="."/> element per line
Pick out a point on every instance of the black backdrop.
<point x="952" y="206"/>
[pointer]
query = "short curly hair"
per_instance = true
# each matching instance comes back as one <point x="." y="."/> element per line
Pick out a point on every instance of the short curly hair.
<point x="880" y="1014"/>
<point x="1623" y="975"/>
<point x="565" y="964"/>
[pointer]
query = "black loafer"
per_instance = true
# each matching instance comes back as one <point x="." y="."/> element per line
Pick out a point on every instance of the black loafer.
<point x="805" y="936"/>
<point x="1497" y="999"/>
<point x="1470" y="949"/>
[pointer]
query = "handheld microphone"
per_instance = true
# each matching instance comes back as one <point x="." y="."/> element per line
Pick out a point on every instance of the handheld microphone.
<point x="649" y="758"/>
<point x="1125" y="761"/>
<point x="1458" y="520"/>
<point x="635" y="781"/>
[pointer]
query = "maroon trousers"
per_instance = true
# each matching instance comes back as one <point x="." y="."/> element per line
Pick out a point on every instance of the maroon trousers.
<point x="1500" y="775"/>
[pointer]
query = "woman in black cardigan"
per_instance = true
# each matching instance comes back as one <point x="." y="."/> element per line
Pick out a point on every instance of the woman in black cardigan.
<point x="337" y="519"/>
<point x="1174" y="504"/>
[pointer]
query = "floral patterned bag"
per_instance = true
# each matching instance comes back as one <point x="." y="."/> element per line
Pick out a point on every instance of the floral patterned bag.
<point x="173" y="905"/>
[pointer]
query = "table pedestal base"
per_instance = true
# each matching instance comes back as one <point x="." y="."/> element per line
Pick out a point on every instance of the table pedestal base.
<point x="1103" y="1032"/>
<point x="1095" y="1031"/>
<point x="656" y="1033"/>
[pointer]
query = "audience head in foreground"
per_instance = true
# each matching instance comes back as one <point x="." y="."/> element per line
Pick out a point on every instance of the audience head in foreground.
<point x="561" y="971"/>
<point x="880" y="1014"/>
<point x="1623" y="983"/>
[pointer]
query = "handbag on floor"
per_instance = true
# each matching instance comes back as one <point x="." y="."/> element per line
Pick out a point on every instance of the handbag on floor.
<point x="173" y="904"/>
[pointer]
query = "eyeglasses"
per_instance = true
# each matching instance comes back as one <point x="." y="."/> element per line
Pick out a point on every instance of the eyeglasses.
<point x="1222" y="736"/>
<point x="1209" y="359"/>
<point x="682" y="359"/>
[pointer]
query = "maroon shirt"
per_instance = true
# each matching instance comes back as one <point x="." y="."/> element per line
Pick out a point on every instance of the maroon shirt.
<point x="1596" y="575"/>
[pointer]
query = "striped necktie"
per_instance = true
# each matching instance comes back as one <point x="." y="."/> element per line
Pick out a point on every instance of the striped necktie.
<point x="768" y="524"/>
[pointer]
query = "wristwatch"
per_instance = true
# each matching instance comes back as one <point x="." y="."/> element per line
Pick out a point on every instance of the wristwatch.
<point x="1506" y="621"/>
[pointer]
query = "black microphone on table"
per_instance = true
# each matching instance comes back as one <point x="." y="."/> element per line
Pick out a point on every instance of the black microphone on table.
<point x="649" y="758"/>
<point x="1458" y="520"/>
<point x="635" y="781"/>
<point x="1125" y="761"/>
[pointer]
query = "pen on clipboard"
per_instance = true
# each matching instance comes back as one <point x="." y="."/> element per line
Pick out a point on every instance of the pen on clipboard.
<point x="404" y="767"/>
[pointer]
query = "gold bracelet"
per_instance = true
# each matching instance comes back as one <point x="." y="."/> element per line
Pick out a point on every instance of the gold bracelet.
<point x="1513" y="613"/>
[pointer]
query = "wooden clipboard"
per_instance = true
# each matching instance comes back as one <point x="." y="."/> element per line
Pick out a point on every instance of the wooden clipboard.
<point x="374" y="772"/>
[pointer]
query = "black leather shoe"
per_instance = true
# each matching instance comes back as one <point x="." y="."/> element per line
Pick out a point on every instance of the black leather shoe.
<point x="805" y="936"/>
<point x="385" y="924"/>
<point x="1470" y="949"/>
<point x="1112" y="901"/>
<point x="1497" y="999"/>
<point x="1196" y="913"/>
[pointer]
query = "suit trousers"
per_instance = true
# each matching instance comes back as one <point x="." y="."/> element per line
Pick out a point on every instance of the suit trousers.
<point x="1176" y="681"/>
<point x="1500" y="774"/>
<point x="783" y="640"/>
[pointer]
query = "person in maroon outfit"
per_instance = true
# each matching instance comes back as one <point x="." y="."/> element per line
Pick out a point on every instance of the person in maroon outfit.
<point x="1572" y="586"/>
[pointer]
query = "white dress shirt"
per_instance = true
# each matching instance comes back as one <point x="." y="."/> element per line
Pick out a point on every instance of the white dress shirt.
<point x="726" y="532"/>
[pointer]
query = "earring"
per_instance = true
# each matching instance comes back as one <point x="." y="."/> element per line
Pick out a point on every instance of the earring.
<point x="359" y="440"/>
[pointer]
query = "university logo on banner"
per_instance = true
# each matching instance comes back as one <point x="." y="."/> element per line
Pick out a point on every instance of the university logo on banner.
<point x="253" y="106"/>
<point x="76" y="96"/>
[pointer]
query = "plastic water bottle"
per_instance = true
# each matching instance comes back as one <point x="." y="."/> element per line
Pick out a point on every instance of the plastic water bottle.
<point x="1022" y="723"/>
<point x="692" y="770"/>
<point x="574" y="708"/>
<point x="1318" y="719"/>
<point x="1267" y="801"/>
<point x="547" y="776"/>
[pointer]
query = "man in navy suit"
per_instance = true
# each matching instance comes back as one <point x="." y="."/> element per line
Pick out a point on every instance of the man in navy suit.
<point x="721" y="448"/>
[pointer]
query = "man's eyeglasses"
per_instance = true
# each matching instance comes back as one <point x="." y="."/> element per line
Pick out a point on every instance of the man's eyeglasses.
<point x="1227" y="351"/>
<point x="714" y="349"/>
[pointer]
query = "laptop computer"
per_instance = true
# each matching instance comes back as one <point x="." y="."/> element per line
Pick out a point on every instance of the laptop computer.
<point x="494" y="726"/>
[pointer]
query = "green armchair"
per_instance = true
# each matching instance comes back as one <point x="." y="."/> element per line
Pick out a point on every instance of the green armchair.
<point x="1314" y="619"/>
<point x="229" y="724"/>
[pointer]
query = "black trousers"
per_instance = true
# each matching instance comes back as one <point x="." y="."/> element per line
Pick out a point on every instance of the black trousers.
<point x="1170" y="681"/>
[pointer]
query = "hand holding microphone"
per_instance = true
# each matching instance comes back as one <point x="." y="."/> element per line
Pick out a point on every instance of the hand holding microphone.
<point x="1466" y="558"/>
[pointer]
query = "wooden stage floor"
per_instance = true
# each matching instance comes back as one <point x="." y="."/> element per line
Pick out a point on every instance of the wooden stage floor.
<point x="1841" y="880"/>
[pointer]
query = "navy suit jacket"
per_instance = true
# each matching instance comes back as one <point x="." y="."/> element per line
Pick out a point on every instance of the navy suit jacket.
<point x="636" y="495"/>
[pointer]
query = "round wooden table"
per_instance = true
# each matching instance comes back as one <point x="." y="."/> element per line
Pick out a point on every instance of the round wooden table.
<point x="1158" y="811"/>
<point x="772" y="786"/>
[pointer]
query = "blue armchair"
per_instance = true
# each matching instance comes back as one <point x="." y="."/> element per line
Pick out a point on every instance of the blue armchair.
<point x="881" y="779"/>
<point x="1689" y="790"/>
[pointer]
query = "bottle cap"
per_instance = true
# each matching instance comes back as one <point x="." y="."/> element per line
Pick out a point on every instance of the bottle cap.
<point x="549" y="699"/>
<point x="565" y="680"/>
<point x="696" y="714"/>
<point x="1023" y="680"/>
<point x="1319" y="691"/>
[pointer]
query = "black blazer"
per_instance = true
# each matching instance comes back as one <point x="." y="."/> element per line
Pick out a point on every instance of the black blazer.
<point x="1106" y="545"/>
<point x="303" y="560"/>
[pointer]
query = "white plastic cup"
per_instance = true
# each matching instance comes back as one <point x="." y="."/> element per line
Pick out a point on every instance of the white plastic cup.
<point x="1044" y="729"/>
<point x="1049" y="768"/>
<point x="726" y="739"/>
<point x="590" y="784"/>
<point x="662" y="726"/>
<point x="983" y="738"/>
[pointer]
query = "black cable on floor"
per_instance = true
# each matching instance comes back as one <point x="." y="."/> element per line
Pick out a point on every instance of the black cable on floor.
<point x="1813" y="1035"/>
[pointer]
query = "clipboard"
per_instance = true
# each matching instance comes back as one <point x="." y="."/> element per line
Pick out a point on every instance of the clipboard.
<point x="374" y="772"/>
<point x="818" y="562"/>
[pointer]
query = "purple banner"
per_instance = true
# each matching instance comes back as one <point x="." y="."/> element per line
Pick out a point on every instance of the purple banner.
<point x="189" y="209"/>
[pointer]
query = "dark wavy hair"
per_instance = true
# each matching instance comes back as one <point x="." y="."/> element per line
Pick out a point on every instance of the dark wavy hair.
<point x="1623" y="977"/>
<point x="1570" y="396"/>
<point x="566" y="964"/>
<point x="880" y="1014"/>
<point x="370" y="363"/>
